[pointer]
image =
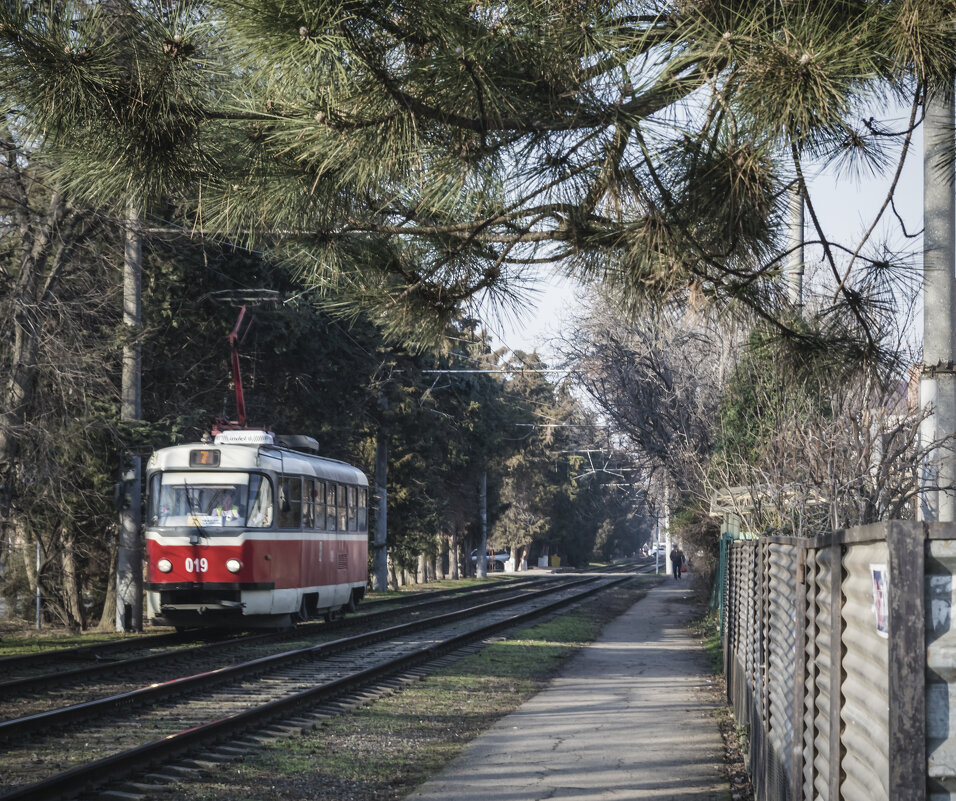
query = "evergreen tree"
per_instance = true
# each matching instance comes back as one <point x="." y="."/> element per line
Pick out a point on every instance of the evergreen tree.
<point x="545" y="506"/>
<point x="415" y="157"/>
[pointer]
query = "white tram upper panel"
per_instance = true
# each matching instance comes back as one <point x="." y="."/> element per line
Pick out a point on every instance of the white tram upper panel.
<point x="234" y="481"/>
<point x="238" y="450"/>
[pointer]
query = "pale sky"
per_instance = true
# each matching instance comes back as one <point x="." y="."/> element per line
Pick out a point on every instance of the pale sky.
<point x="846" y="206"/>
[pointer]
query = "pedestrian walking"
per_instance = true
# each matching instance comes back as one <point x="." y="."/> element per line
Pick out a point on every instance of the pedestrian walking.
<point x="677" y="562"/>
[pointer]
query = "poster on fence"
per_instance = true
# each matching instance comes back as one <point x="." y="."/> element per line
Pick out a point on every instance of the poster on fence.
<point x="880" y="588"/>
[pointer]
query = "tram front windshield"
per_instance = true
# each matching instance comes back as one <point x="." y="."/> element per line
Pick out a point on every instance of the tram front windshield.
<point x="210" y="500"/>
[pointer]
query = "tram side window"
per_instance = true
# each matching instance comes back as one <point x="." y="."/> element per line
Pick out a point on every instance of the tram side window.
<point x="290" y="502"/>
<point x="308" y="503"/>
<point x="353" y="508"/>
<point x="363" y="509"/>
<point x="320" y="504"/>
<point x="342" y="506"/>
<point x="330" y="512"/>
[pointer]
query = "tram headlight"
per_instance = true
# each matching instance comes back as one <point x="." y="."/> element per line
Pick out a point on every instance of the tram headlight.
<point x="233" y="565"/>
<point x="164" y="565"/>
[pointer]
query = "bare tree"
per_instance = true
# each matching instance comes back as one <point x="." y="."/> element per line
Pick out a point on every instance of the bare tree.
<point x="788" y="438"/>
<point x="850" y="460"/>
<point x="57" y="318"/>
<point x="657" y="375"/>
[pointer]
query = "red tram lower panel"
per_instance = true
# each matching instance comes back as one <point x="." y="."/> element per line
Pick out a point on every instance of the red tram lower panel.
<point x="253" y="579"/>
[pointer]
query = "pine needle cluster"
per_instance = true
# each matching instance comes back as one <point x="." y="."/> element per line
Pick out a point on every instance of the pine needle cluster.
<point x="415" y="156"/>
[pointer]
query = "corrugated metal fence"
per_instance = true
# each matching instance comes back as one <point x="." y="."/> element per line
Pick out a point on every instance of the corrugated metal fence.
<point x="840" y="654"/>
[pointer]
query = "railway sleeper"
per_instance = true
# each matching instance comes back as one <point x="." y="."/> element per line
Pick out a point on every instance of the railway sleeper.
<point x="202" y="764"/>
<point x="180" y="770"/>
<point x="281" y="730"/>
<point x="121" y="795"/>
<point x="231" y="752"/>
<point x="147" y="790"/>
<point x="308" y="723"/>
<point x="258" y="738"/>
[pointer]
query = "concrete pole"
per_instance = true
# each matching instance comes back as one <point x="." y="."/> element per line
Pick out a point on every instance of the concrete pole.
<point x="937" y="378"/>
<point x="39" y="597"/>
<point x="481" y="564"/>
<point x="666" y="526"/>
<point x="795" y="266"/>
<point x="379" y="543"/>
<point x="129" y="562"/>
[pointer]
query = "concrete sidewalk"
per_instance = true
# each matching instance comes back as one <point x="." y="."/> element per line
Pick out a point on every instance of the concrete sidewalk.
<point x="629" y="718"/>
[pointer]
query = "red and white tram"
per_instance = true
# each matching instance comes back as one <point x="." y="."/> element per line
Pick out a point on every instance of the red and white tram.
<point x="251" y="530"/>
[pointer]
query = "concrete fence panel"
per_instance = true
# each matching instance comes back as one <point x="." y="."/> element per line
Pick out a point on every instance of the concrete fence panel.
<point x="840" y="654"/>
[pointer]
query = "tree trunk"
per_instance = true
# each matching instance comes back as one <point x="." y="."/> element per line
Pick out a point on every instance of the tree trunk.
<point x="108" y="616"/>
<point x="441" y="557"/>
<point x="523" y="553"/>
<point x="453" y="555"/>
<point x="481" y="564"/>
<point x="937" y="387"/>
<point x="129" y="566"/>
<point x="70" y="590"/>
<point x="393" y="576"/>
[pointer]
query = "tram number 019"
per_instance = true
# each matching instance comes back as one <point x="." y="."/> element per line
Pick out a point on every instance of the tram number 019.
<point x="197" y="565"/>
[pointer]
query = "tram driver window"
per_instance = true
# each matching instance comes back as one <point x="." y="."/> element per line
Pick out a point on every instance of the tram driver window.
<point x="211" y="500"/>
<point x="290" y="502"/>
<point x="260" y="507"/>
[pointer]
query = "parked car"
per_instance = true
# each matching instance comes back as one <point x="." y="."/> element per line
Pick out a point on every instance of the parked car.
<point x="495" y="561"/>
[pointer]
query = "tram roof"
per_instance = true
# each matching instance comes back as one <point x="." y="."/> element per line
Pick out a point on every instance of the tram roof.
<point x="257" y="456"/>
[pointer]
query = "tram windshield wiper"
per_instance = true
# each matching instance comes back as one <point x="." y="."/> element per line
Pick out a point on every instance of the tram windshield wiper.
<point x="195" y="512"/>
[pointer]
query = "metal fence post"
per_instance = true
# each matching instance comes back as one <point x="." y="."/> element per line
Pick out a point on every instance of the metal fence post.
<point x="727" y="590"/>
<point x="719" y="598"/>
<point x="836" y="661"/>
<point x="800" y="667"/>
<point x="906" y="624"/>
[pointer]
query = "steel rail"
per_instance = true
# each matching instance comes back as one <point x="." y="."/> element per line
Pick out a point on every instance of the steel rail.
<point x="32" y="724"/>
<point x="94" y="651"/>
<point x="30" y="683"/>
<point x="89" y="652"/>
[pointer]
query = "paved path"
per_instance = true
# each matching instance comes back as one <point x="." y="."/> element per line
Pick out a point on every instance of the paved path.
<point x="628" y="719"/>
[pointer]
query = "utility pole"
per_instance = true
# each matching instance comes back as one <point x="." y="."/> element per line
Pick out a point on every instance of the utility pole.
<point x="666" y="526"/>
<point x="481" y="563"/>
<point x="379" y="542"/>
<point x="796" y="263"/>
<point x="937" y="387"/>
<point x="39" y="597"/>
<point x="129" y="562"/>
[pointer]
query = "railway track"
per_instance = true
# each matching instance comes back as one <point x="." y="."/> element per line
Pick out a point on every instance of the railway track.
<point x="51" y="656"/>
<point x="57" y="753"/>
<point x="108" y="673"/>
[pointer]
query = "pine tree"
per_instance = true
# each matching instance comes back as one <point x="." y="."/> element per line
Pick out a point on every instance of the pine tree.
<point x="413" y="158"/>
